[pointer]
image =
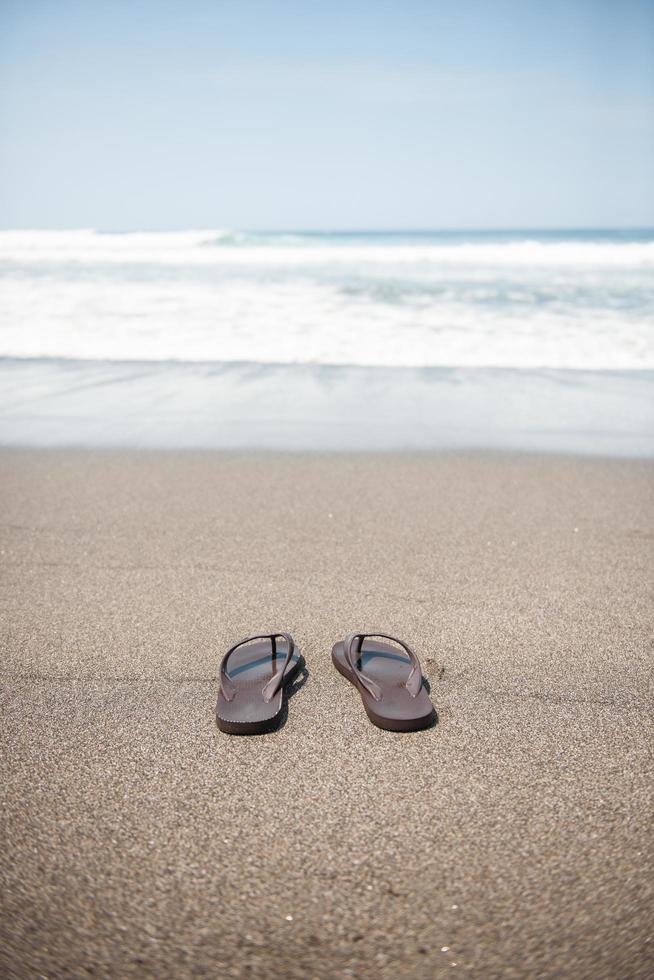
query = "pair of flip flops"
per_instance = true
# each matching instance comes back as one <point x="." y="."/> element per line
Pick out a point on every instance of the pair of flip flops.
<point x="255" y="674"/>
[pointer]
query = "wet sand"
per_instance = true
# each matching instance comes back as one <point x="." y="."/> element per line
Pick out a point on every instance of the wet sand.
<point x="52" y="403"/>
<point x="512" y="839"/>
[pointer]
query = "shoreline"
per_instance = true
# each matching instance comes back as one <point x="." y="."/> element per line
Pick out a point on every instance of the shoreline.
<point x="208" y="454"/>
<point x="246" y="406"/>
<point x="511" y="839"/>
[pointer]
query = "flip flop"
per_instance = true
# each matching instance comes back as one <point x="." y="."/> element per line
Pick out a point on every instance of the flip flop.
<point x="391" y="686"/>
<point x="252" y="681"/>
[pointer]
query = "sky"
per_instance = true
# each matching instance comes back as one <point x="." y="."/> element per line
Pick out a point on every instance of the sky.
<point x="156" y="115"/>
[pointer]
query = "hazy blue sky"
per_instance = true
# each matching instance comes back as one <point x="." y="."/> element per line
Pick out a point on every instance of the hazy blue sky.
<point x="505" y="113"/>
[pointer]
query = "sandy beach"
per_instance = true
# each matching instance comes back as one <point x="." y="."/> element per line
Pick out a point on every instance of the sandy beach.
<point x="512" y="839"/>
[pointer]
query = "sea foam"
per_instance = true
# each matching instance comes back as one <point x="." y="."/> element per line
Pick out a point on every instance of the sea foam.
<point x="522" y="301"/>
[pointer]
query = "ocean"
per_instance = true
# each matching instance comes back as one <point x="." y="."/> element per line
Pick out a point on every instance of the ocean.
<point x="536" y="340"/>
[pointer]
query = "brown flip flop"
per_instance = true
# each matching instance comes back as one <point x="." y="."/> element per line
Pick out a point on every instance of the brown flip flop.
<point x="252" y="680"/>
<point x="391" y="686"/>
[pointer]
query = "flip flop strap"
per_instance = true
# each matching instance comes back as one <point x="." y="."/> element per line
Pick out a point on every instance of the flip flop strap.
<point x="413" y="682"/>
<point x="272" y="686"/>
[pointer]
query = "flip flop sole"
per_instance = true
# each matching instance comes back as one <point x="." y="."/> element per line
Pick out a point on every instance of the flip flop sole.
<point x="388" y="668"/>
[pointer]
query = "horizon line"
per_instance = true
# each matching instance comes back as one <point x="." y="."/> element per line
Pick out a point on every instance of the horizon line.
<point x="324" y="230"/>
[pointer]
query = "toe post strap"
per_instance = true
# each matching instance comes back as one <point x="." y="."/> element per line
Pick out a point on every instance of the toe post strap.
<point x="353" y="647"/>
<point x="272" y="686"/>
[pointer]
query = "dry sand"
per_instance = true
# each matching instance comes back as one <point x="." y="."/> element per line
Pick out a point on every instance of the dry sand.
<point x="513" y="839"/>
